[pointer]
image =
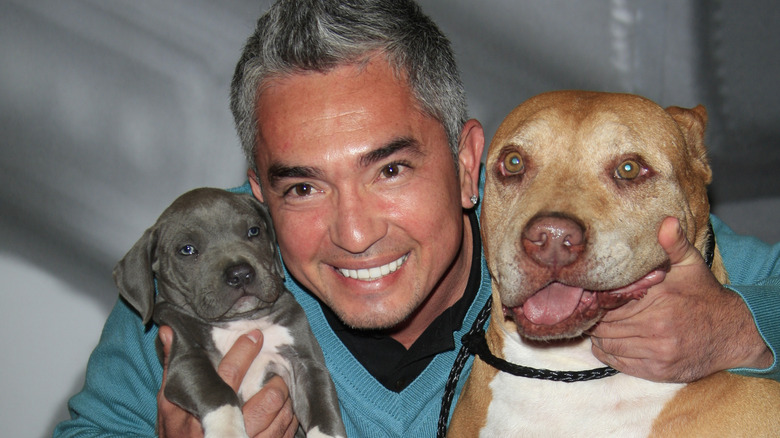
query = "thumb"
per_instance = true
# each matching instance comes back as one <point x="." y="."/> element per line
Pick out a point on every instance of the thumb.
<point x="165" y="334"/>
<point x="676" y="245"/>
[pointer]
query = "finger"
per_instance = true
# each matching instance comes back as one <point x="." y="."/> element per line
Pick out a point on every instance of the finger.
<point x="676" y="245"/>
<point x="619" y="329"/>
<point x="269" y="413"/>
<point x="237" y="360"/>
<point x="602" y="355"/>
<point x="616" y="353"/>
<point x="621" y="348"/>
<point x="165" y="334"/>
<point x="625" y="314"/>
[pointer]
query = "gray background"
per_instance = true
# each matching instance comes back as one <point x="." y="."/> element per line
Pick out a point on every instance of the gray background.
<point x="110" y="109"/>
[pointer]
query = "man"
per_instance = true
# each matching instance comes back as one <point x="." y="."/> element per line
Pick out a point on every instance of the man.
<point x="353" y="119"/>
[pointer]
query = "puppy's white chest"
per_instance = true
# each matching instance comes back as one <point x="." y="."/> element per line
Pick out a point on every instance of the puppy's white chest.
<point x="269" y="361"/>
<point x="617" y="406"/>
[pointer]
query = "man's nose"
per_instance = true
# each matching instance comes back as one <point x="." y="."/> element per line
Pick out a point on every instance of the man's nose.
<point x="358" y="221"/>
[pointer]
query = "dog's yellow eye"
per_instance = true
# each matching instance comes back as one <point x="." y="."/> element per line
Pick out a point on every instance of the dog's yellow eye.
<point x="628" y="169"/>
<point x="513" y="163"/>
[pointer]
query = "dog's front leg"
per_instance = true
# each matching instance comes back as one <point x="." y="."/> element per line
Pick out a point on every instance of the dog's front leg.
<point x="319" y="413"/>
<point x="193" y="384"/>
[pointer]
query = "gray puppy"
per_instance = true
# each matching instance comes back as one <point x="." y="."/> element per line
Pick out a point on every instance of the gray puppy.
<point x="212" y="256"/>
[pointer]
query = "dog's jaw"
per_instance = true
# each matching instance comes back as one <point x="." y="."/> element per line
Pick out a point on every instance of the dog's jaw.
<point x="558" y="311"/>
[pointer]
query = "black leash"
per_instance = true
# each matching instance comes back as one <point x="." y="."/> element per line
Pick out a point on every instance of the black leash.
<point x="457" y="368"/>
<point x="478" y="345"/>
<point x="709" y="249"/>
<point x="474" y="342"/>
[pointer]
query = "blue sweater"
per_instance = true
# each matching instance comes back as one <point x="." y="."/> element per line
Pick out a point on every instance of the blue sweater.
<point x="124" y="373"/>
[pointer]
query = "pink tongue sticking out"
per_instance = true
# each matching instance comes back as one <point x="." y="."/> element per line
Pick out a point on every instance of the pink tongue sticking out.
<point x="552" y="304"/>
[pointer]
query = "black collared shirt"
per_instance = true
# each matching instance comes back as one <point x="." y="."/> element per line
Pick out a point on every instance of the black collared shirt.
<point x="388" y="360"/>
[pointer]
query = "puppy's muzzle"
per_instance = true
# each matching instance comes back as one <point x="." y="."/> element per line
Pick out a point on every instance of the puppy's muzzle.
<point x="553" y="241"/>
<point x="240" y="275"/>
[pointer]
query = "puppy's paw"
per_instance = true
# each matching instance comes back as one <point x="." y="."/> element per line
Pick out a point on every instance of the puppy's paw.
<point x="225" y="422"/>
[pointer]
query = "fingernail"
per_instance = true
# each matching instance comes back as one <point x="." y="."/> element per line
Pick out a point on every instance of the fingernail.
<point x="165" y="338"/>
<point x="254" y="336"/>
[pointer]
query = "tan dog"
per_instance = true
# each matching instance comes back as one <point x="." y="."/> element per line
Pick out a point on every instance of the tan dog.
<point x="577" y="185"/>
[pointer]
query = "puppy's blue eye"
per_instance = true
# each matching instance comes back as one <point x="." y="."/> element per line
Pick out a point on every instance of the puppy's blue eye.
<point x="188" y="250"/>
<point x="254" y="231"/>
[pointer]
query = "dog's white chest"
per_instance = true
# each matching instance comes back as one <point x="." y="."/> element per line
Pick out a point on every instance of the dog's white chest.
<point x="617" y="406"/>
<point x="270" y="359"/>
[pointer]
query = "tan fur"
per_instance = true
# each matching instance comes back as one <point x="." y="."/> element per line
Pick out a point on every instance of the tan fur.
<point x="722" y="405"/>
<point x="570" y="142"/>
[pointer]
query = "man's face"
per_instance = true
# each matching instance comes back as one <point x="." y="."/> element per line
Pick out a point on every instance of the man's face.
<point x="363" y="191"/>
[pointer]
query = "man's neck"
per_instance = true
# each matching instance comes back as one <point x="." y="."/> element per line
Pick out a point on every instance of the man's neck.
<point x="445" y="294"/>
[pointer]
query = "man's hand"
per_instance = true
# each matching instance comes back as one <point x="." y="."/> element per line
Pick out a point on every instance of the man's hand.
<point x="685" y="328"/>
<point x="267" y="414"/>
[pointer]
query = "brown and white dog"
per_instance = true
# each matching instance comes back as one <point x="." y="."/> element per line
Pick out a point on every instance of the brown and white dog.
<point x="577" y="185"/>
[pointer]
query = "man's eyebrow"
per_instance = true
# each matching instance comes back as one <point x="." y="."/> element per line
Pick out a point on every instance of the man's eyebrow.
<point x="278" y="171"/>
<point x="395" y="146"/>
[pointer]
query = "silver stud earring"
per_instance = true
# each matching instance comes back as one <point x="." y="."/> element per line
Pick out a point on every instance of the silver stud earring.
<point x="474" y="199"/>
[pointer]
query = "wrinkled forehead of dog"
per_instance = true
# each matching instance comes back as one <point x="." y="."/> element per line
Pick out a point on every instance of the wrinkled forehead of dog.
<point x="584" y="114"/>
<point x="215" y="211"/>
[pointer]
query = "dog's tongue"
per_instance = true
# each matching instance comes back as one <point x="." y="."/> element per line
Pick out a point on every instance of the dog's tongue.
<point x="552" y="304"/>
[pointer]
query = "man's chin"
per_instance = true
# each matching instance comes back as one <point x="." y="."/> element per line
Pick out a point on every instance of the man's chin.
<point x="376" y="316"/>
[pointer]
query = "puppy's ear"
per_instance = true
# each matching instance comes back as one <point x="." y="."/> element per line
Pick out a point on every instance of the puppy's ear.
<point x="134" y="277"/>
<point x="692" y="123"/>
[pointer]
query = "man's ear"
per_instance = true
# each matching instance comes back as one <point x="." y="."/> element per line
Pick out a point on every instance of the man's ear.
<point x="254" y="183"/>
<point x="472" y="143"/>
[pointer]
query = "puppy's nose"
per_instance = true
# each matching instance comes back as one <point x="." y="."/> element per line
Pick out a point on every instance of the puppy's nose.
<point x="553" y="241"/>
<point x="239" y="275"/>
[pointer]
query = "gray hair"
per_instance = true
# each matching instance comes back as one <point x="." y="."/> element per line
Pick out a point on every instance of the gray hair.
<point x="297" y="36"/>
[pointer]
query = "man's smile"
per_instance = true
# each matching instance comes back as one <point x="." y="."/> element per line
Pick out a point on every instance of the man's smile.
<point x="374" y="273"/>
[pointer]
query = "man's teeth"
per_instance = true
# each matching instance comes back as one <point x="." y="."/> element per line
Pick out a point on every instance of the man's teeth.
<point x="375" y="273"/>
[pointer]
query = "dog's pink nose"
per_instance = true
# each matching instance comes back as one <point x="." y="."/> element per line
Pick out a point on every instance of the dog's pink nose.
<point x="553" y="240"/>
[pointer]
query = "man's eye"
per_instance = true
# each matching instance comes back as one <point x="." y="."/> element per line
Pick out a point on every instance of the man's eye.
<point x="302" y="189"/>
<point x="188" y="250"/>
<point x="392" y="170"/>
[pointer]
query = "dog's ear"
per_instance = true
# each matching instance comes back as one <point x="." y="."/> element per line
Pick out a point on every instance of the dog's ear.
<point x="262" y="211"/>
<point x="134" y="277"/>
<point x="692" y="123"/>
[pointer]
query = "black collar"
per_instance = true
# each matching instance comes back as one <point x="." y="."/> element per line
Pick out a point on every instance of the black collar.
<point x="477" y="344"/>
